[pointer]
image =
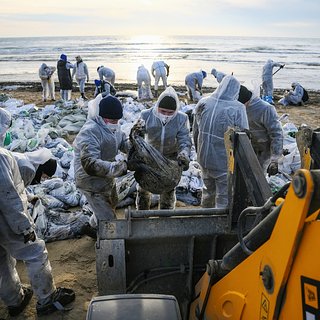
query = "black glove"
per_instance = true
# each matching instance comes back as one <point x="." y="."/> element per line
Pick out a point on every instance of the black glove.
<point x="282" y="66"/>
<point x="138" y="129"/>
<point x="272" y="168"/>
<point x="30" y="236"/>
<point x="183" y="160"/>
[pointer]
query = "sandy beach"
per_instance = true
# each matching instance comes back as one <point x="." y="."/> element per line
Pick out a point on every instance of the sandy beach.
<point x="73" y="261"/>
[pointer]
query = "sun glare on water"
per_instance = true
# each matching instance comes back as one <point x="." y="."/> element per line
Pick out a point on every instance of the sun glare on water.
<point x="150" y="44"/>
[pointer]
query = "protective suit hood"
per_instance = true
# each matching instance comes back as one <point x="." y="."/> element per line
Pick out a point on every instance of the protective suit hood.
<point x="228" y="89"/>
<point x="170" y="92"/>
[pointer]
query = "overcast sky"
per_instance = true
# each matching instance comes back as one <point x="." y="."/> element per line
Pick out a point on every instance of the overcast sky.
<point x="293" y="18"/>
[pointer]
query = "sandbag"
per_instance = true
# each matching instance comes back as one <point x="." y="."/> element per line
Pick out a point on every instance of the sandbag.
<point x="153" y="171"/>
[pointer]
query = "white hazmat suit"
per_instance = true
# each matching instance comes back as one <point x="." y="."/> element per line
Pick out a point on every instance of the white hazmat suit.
<point x="213" y="116"/>
<point x="47" y="81"/>
<point x="144" y="83"/>
<point x="95" y="150"/>
<point x="159" y="70"/>
<point x="193" y="82"/>
<point x="218" y="75"/>
<point x="266" y="131"/>
<point x="169" y="135"/>
<point x="106" y="74"/>
<point x="294" y="96"/>
<point x="267" y="78"/>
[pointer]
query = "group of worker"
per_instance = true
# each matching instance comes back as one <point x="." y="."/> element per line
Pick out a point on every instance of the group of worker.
<point x="97" y="164"/>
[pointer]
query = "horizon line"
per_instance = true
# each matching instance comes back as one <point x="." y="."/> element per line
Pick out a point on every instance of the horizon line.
<point x="156" y="35"/>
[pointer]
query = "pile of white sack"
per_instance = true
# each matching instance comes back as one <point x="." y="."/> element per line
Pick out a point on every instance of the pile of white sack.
<point x="59" y="210"/>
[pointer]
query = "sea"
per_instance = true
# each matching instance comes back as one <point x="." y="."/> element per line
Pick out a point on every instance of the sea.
<point x="244" y="57"/>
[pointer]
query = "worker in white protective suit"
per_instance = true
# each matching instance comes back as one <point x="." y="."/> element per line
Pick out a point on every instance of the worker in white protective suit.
<point x="213" y="116"/>
<point x="218" y="75"/>
<point x="194" y="82"/>
<point x="106" y="74"/>
<point x="294" y="96"/>
<point x="267" y="79"/>
<point x="47" y="81"/>
<point x="144" y="83"/>
<point x="81" y="73"/>
<point x="265" y="130"/>
<point x="159" y="70"/>
<point x="18" y="240"/>
<point x="35" y="164"/>
<point x="95" y="149"/>
<point x="167" y="129"/>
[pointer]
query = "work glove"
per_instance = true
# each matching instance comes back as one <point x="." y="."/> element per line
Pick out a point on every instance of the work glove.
<point x="117" y="168"/>
<point x="29" y="235"/>
<point x="272" y="168"/>
<point x="183" y="160"/>
<point x="138" y="129"/>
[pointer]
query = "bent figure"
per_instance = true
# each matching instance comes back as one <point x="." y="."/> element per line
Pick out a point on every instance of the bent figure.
<point x="294" y="96"/>
<point x="144" y="83"/>
<point x="47" y="82"/>
<point x="159" y="70"/>
<point x="193" y="82"/>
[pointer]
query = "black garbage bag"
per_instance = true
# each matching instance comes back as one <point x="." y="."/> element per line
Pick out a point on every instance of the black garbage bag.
<point x="153" y="171"/>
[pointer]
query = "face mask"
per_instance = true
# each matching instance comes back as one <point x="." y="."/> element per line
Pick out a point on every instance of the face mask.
<point x="113" y="127"/>
<point x="164" y="119"/>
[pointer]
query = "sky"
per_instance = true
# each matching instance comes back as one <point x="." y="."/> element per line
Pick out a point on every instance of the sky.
<point x="284" y="18"/>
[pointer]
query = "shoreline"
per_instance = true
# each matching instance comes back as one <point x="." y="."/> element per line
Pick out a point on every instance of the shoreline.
<point x="35" y="86"/>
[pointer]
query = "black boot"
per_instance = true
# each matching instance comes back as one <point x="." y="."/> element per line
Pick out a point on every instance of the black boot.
<point x="27" y="295"/>
<point x="59" y="300"/>
<point x="83" y="96"/>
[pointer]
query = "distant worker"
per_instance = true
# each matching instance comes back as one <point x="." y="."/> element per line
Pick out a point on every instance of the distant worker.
<point x="65" y="79"/>
<point x="18" y="240"/>
<point x="81" y="73"/>
<point x="167" y="130"/>
<point x="104" y="87"/>
<point x="144" y="83"/>
<point x="267" y="79"/>
<point x="218" y="75"/>
<point x="47" y="82"/>
<point x="194" y="82"/>
<point x="159" y="70"/>
<point x="96" y="167"/>
<point x="213" y="116"/>
<point x="106" y="74"/>
<point x="265" y="128"/>
<point x="296" y="96"/>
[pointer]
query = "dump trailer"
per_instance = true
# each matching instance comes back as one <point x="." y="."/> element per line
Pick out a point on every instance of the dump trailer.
<point x="215" y="264"/>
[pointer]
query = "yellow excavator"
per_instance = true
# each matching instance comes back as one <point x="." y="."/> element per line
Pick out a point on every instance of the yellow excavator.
<point x="258" y="260"/>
